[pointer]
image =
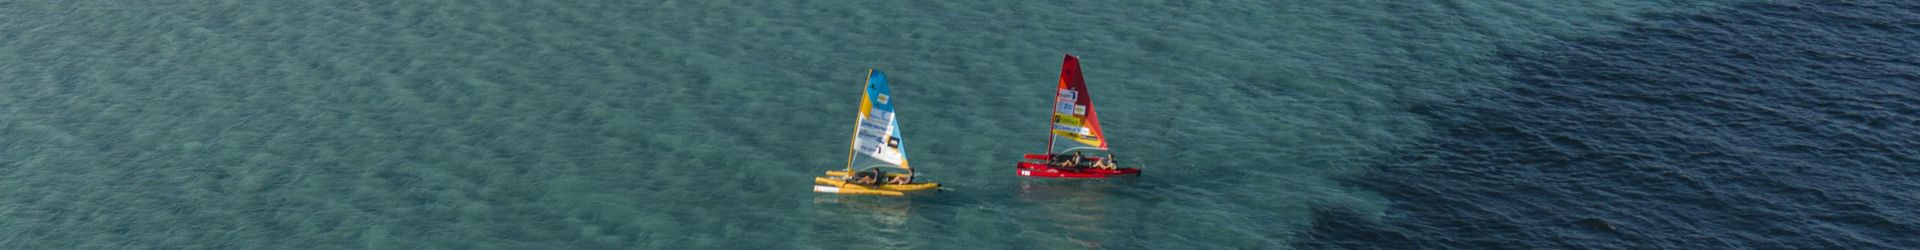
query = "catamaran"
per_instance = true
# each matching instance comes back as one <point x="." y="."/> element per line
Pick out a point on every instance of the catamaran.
<point x="876" y="146"/>
<point x="1074" y="119"/>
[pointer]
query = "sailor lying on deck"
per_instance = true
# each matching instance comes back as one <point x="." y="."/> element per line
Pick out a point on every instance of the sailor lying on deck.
<point x="901" y="179"/>
<point x="865" y="178"/>
<point x="1105" y="163"/>
<point x="1067" y="161"/>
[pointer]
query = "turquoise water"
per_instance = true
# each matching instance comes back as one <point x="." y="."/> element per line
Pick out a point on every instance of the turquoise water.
<point x="698" y="124"/>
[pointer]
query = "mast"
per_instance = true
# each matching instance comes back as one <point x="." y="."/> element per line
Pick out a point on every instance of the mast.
<point x="1050" y="121"/>
<point x="854" y="141"/>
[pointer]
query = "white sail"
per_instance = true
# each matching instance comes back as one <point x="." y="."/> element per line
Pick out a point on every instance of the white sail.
<point x="876" y="134"/>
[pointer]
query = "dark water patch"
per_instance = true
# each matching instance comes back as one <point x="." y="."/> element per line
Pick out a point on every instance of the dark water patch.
<point x="1769" y="125"/>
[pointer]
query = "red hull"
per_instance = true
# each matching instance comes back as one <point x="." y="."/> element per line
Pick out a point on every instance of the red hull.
<point x="1026" y="167"/>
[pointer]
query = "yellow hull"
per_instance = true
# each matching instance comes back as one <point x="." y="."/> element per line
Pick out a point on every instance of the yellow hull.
<point x="836" y="183"/>
<point x="844" y="174"/>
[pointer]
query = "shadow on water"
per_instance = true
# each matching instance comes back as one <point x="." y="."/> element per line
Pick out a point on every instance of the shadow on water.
<point x="876" y="222"/>
<point x="1080" y="212"/>
<point x="1768" y="125"/>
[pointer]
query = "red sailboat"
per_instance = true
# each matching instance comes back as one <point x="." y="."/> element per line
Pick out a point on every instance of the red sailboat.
<point x="1085" y="154"/>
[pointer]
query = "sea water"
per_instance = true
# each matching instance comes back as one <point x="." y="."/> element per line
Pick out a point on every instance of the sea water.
<point x="698" y="124"/>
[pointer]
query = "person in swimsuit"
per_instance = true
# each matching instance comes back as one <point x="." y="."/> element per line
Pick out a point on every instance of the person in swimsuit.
<point x="902" y="179"/>
<point x="1105" y="163"/>
<point x="1077" y="160"/>
<point x="865" y="178"/>
<point x="1067" y="161"/>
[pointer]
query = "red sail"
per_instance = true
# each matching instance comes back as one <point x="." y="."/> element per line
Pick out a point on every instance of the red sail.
<point x="1073" y="115"/>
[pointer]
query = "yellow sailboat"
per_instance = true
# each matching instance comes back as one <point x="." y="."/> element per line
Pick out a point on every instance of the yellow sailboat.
<point x="876" y="146"/>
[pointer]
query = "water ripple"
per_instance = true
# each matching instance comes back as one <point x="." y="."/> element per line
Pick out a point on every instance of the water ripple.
<point x="1769" y="125"/>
